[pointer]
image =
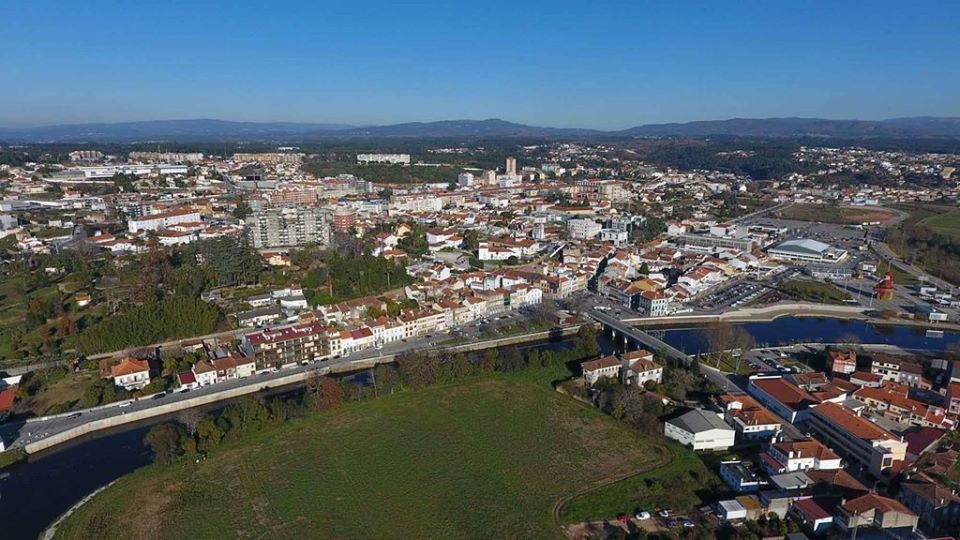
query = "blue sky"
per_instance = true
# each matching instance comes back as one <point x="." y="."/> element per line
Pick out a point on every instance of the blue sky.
<point x="600" y="64"/>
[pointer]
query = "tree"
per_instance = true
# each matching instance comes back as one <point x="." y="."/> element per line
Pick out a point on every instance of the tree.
<point x="164" y="440"/>
<point x="417" y="369"/>
<point x="190" y="419"/>
<point x="587" y="338"/>
<point x="533" y="358"/>
<point x="209" y="434"/>
<point x="242" y="209"/>
<point x="510" y="360"/>
<point x="323" y="392"/>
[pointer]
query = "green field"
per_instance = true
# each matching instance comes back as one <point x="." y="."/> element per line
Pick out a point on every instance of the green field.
<point x="814" y="291"/>
<point x="947" y="224"/>
<point x="486" y="458"/>
<point x="675" y="486"/>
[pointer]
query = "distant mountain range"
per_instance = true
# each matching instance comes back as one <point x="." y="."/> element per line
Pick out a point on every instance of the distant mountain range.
<point x="201" y="130"/>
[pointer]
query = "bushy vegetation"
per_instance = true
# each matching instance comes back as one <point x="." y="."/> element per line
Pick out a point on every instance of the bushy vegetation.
<point x="345" y="277"/>
<point x="931" y="239"/>
<point x="171" y="318"/>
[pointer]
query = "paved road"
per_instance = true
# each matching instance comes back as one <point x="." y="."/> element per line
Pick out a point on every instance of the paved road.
<point x="18" y="434"/>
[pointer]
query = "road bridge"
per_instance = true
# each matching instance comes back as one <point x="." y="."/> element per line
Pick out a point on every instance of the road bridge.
<point x="623" y="329"/>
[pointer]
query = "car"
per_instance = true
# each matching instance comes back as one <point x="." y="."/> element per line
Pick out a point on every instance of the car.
<point x="75" y="415"/>
<point x="159" y="395"/>
<point x="642" y="515"/>
<point x="126" y="404"/>
<point x="687" y="524"/>
<point x="670" y="523"/>
<point x="664" y="513"/>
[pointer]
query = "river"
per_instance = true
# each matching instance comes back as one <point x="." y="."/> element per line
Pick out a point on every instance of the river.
<point x="787" y="330"/>
<point x="37" y="492"/>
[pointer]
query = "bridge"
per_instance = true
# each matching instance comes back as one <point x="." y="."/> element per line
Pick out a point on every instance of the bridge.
<point x="635" y="335"/>
<point x="630" y="334"/>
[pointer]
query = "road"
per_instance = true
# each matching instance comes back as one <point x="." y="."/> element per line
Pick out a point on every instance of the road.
<point x="885" y="253"/>
<point x="18" y="434"/>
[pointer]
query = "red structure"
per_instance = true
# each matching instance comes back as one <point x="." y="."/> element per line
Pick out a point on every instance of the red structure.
<point x="884" y="289"/>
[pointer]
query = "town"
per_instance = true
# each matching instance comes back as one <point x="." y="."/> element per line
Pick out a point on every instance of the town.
<point x="169" y="274"/>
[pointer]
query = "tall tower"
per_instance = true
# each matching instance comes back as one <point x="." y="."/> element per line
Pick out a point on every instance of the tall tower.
<point x="512" y="166"/>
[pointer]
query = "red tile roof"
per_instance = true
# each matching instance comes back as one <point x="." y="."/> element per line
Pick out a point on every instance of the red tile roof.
<point x="128" y="366"/>
<point x="7" y="396"/>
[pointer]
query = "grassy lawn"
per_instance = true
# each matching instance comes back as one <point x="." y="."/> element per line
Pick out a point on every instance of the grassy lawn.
<point x="679" y="486"/>
<point x="486" y="458"/>
<point x="814" y="291"/>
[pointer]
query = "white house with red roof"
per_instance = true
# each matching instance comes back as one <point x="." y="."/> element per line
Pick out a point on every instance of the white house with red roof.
<point x="131" y="373"/>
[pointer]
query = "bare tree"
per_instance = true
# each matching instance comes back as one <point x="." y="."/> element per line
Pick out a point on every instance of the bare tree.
<point x="190" y="419"/>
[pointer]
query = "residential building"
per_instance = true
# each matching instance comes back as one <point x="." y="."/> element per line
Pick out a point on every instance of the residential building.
<point x="131" y="373"/>
<point x="857" y="439"/>
<point x="780" y="396"/>
<point x="653" y="303"/>
<point x="281" y="227"/>
<point x="287" y="346"/>
<point x="802" y="455"/>
<point x="739" y="476"/>
<point x="638" y="367"/>
<point x="937" y="507"/>
<point x="843" y="362"/>
<point x="583" y="229"/>
<point x="593" y="370"/>
<point x="163" y="220"/>
<point x="751" y="420"/>
<point x="877" y="511"/>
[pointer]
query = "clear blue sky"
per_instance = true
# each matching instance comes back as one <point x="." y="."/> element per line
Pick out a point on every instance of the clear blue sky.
<point x="601" y="64"/>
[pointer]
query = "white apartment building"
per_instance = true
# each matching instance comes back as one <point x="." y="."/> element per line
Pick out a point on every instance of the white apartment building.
<point x="583" y="229"/>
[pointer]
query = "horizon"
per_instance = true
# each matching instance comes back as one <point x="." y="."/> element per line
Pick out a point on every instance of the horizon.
<point x="346" y="126"/>
<point x="383" y="64"/>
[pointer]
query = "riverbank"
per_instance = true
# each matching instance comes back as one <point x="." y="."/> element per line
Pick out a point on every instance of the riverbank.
<point x="113" y="416"/>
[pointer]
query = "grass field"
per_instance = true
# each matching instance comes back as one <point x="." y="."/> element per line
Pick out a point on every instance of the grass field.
<point x="814" y="291"/>
<point x="843" y="215"/>
<point x="676" y="486"/>
<point x="947" y="224"/>
<point x="487" y="458"/>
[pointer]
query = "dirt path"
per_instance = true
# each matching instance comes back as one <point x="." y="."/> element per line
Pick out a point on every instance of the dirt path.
<point x="663" y="458"/>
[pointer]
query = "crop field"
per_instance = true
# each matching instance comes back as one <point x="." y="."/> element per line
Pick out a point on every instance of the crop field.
<point x="487" y="458"/>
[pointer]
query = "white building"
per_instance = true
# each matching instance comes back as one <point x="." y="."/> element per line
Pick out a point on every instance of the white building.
<point x="594" y="370"/>
<point x="163" y="220"/>
<point x="384" y="158"/>
<point x="131" y="373"/>
<point x="807" y="250"/>
<point x="700" y="430"/>
<point x="583" y="229"/>
<point x="465" y="179"/>
<point x="654" y="303"/>
<point x="618" y="237"/>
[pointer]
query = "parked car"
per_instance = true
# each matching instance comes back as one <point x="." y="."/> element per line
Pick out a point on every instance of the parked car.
<point x="642" y="515"/>
<point x="126" y="404"/>
<point x="687" y="524"/>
